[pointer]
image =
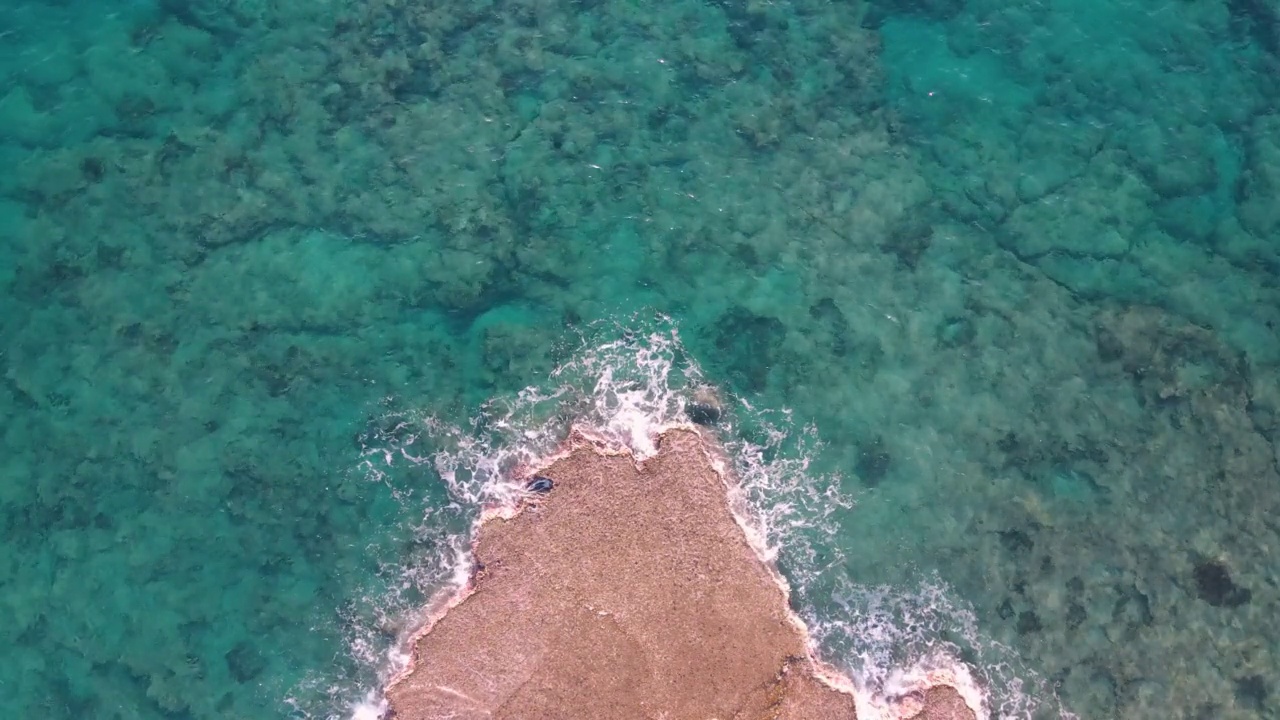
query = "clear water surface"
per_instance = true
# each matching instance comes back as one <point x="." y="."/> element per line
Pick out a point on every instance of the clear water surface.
<point x="992" y="288"/>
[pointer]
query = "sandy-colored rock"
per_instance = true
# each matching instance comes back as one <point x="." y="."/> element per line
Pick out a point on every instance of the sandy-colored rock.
<point x="626" y="592"/>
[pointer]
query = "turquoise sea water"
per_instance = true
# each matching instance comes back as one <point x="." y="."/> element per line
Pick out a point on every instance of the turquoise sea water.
<point x="1005" y="273"/>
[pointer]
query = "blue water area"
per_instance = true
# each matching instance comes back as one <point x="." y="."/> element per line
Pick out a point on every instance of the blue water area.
<point x="1014" y="264"/>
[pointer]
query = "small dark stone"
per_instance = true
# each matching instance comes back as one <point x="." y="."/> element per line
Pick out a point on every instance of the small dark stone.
<point x="1005" y="611"/>
<point x="1215" y="586"/>
<point x="703" y="413"/>
<point x="1029" y="622"/>
<point x="541" y="485"/>
<point x="1251" y="692"/>
<point x="873" y="462"/>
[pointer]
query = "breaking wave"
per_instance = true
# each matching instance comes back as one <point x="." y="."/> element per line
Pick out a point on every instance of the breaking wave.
<point x="623" y="388"/>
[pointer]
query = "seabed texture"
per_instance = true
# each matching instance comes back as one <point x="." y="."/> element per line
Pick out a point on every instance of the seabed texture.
<point x="1011" y="269"/>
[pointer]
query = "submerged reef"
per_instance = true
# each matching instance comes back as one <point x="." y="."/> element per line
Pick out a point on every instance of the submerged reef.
<point x="1014" y="265"/>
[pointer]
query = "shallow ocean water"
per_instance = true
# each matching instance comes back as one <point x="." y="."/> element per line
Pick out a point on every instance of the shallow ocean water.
<point x="992" y="290"/>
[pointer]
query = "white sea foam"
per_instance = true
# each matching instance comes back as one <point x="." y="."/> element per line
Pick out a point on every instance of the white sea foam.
<point x="622" y="392"/>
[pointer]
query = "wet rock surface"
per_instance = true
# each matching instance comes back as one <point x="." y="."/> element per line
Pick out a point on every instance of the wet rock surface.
<point x="629" y="592"/>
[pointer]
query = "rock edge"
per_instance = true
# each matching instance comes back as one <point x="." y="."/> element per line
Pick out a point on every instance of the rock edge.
<point x="629" y="591"/>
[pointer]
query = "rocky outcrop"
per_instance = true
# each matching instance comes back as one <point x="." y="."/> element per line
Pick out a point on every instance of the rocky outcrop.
<point x="626" y="591"/>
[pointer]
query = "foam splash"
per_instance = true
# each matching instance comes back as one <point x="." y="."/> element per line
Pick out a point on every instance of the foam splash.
<point x="620" y="394"/>
<point x="894" y="640"/>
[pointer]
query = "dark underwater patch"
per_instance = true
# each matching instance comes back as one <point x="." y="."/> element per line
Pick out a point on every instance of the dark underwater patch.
<point x="1215" y="586"/>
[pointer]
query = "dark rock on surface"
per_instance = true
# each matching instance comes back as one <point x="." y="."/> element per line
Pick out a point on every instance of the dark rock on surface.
<point x="705" y="407"/>
<point x="540" y="484"/>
